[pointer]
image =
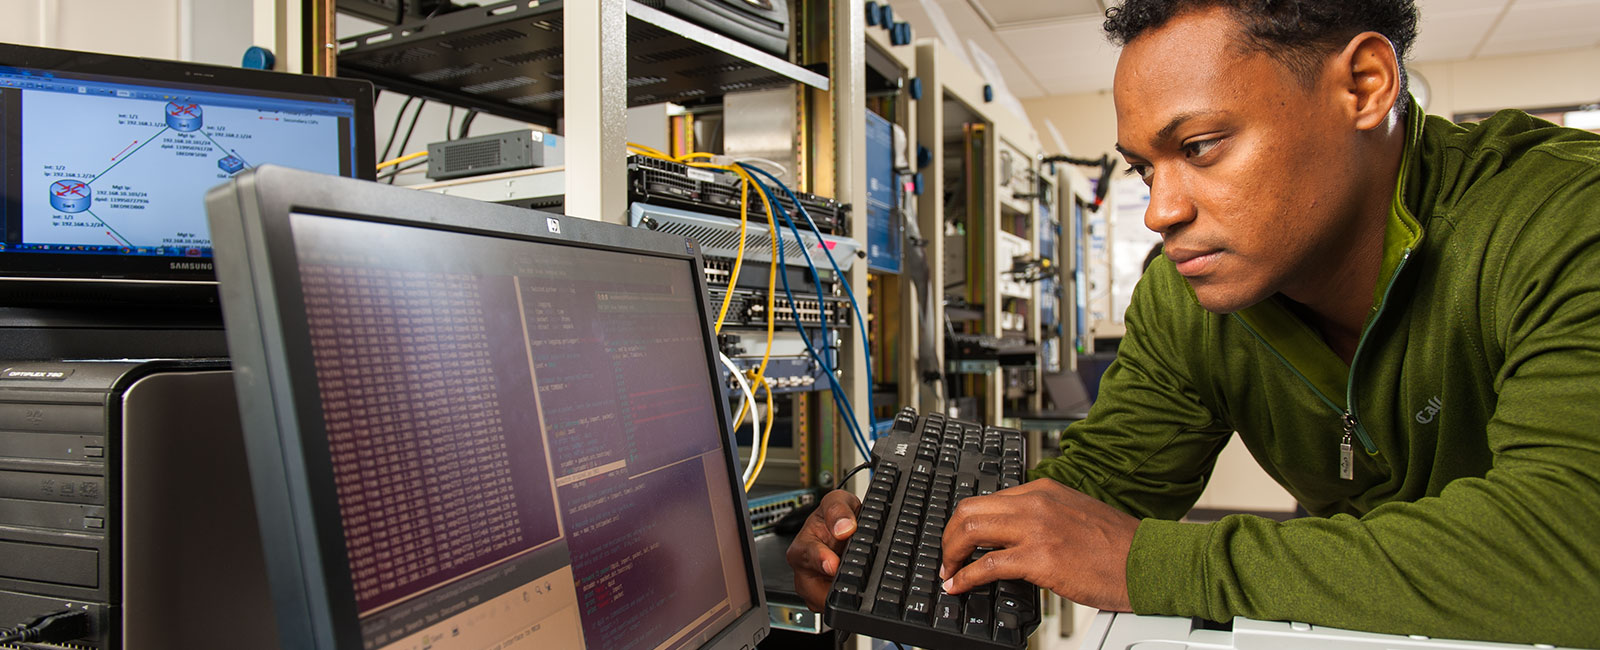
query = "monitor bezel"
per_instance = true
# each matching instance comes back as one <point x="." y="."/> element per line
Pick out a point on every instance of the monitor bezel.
<point x="279" y="403"/>
<point x="100" y="278"/>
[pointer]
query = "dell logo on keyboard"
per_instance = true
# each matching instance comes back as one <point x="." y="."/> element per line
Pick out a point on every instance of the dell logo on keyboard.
<point x="900" y="449"/>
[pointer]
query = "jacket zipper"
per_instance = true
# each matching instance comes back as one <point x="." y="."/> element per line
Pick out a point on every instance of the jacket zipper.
<point x="1350" y="422"/>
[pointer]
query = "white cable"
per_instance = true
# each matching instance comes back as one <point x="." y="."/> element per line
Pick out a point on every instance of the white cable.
<point x="755" y="417"/>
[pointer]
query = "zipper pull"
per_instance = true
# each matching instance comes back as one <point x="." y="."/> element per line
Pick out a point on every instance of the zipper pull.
<point x="1346" y="452"/>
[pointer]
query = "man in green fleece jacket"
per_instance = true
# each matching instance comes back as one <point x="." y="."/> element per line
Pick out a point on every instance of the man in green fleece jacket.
<point x="1399" y="316"/>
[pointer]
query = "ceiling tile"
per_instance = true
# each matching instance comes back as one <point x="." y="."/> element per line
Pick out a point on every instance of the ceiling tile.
<point x="1452" y="35"/>
<point x="1007" y="13"/>
<point x="1427" y="7"/>
<point x="1549" y="43"/>
<point x="1545" y="25"/>
<point x="1067" y="57"/>
<point x="1017" y="77"/>
<point x="1056" y="47"/>
<point x="1533" y="18"/>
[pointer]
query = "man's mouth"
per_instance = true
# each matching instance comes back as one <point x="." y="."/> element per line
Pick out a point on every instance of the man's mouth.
<point x="1193" y="262"/>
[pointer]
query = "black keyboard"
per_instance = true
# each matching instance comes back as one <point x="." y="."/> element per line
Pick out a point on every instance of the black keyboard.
<point x="888" y="585"/>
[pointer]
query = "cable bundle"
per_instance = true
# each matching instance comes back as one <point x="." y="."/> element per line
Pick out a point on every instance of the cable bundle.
<point x="769" y="198"/>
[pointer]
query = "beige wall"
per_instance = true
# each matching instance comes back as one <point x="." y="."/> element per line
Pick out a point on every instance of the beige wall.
<point x="1529" y="81"/>
<point x="1088" y="124"/>
<point x="207" y="31"/>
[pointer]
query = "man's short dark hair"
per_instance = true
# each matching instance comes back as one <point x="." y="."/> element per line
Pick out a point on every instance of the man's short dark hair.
<point x="1300" y="34"/>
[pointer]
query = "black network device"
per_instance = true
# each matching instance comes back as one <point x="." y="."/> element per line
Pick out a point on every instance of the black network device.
<point x="709" y="191"/>
<point x="497" y="152"/>
<point x="762" y="23"/>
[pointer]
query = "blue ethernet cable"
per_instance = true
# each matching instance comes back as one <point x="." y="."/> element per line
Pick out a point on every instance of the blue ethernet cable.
<point x="854" y="306"/>
<point x="860" y="439"/>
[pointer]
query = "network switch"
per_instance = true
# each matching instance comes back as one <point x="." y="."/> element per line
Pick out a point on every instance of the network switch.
<point x="663" y="182"/>
<point x="748" y="308"/>
<point x="766" y="510"/>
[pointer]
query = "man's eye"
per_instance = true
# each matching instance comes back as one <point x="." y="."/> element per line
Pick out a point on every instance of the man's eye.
<point x="1199" y="148"/>
<point x="1142" y="171"/>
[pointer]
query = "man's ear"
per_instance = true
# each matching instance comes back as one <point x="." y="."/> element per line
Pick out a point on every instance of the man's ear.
<point x="1367" y="75"/>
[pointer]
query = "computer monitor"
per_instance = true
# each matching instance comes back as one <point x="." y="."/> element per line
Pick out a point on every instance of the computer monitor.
<point x="476" y="426"/>
<point x="106" y="161"/>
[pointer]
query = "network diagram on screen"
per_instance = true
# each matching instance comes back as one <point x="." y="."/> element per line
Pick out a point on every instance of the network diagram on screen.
<point x="132" y="172"/>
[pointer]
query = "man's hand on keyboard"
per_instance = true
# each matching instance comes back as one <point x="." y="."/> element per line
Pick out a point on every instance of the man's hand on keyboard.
<point x="1046" y="533"/>
<point x="814" y="554"/>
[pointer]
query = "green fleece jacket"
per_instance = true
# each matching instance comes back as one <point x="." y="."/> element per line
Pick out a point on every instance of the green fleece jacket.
<point x="1473" y="507"/>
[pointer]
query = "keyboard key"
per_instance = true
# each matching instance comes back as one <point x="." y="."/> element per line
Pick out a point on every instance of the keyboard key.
<point x="988" y="484"/>
<point x="905" y="421"/>
<point x="1007" y="628"/>
<point x="919" y="608"/>
<point x="947" y="613"/>
<point x="1017" y="589"/>
<point x="977" y="617"/>
<point x="844" y="600"/>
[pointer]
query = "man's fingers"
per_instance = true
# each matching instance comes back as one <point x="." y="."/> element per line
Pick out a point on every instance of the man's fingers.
<point x="838" y="510"/>
<point x="813" y="556"/>
<point x="813" y="590"/>
<point x="812" y="583"/>
<point x="1003" y="564"/>
<point x="966" y="532"/>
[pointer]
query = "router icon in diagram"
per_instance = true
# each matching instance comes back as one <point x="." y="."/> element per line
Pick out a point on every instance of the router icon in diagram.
<point x="70" y="196"/>
<point x="184" y="117"/>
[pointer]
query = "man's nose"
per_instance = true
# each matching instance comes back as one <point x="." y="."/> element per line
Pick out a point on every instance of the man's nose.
<point x="1170" y="206"/>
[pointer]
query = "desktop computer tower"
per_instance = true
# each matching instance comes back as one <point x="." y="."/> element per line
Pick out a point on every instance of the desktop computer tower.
<point x="124" y="492"/>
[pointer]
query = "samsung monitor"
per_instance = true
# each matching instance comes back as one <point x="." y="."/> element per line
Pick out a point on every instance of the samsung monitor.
<point x="105" y="161"/>
<point x="473" y="426"/>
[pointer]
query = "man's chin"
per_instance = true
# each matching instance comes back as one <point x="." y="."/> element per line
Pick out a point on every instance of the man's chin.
<point x="1223" y="298"/>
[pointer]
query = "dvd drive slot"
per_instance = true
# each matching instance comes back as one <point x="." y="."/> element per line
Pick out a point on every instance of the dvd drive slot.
<point x="61" y="565"/>
<point x="60" y="488"/>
